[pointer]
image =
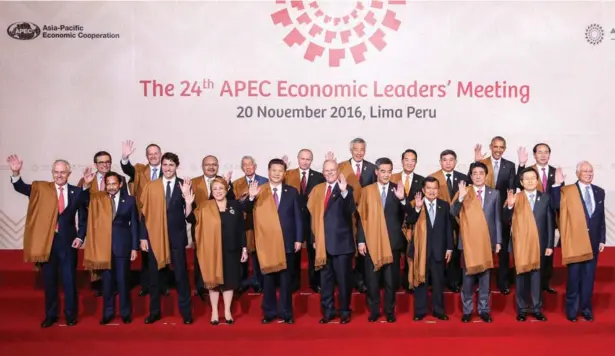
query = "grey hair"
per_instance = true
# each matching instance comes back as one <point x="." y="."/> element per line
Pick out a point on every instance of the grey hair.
<point x="357" y="140"/>
<point x="62" y="161"/>
<point x="580" y="164"/>
<point x="248" y="157"/>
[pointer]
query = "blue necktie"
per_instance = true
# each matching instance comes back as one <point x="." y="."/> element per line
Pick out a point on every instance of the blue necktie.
<point x="383" y="196"/>
<point x="154" y="174"/>
<point x="588" y="202"/>
<point x="168" y="193"/>
<point x="532" y="201"/>
<point x="432" y="213"/>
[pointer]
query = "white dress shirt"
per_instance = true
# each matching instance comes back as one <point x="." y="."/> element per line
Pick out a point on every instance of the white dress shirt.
<point x="278" y="192"/>
<point x="482" y="193"/>
<point x="582" y="186"/>
<point x="164" y="183"/>
<point x="354" y="166"/>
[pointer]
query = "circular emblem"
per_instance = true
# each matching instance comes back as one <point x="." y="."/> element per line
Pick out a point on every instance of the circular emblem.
<point x="594" y="34"/>
<point x="341" y="31"/>
<point x="23" y="30"/>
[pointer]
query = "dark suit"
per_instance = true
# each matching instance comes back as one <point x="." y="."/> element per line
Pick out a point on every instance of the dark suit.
<point x="256" y="281"/>
<point x="580" y="283"/>
<point x="198" y="277"/>
<point x="528" y="284"/>
<point x="546" y="269"/>
<point x="178" y="240"/>
<point x="415" y="186"/>
<point x="124" y="239"/>
<point x="340" y="248"/>
<point x="291" y="222"/>
<point x="313" y="179"/>
<point x="368" y="176"/>
<point x="62" y="256"/>
<point x="506" y="179"/>
<point x="394" y="213"/>
<point x="492" y="209"/>
<point x="439" y="240"/>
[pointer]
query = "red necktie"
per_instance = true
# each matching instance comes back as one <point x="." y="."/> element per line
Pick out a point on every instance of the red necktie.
<point x="102" y="184"/>
<point x="60" y="205"/>
<point x="303" y="183"/>
<point x="544" y="180"/>
<point x="358" y="172"/>
<point x="480" y="197"/>
<point x="328" y="195"/>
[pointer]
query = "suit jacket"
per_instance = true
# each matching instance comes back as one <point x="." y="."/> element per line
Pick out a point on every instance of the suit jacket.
<point x="507" y="178"/>
<point x="394" y="212"/>
<point x="67" y="230"/>
<point x="313" y="180"/>
<point x="596" y="223"/>
<point x="129" y="170"/>
<point x="249" y="221"/>
<point x="125" y="226"/>
<point x="339" y="239"/>
<point x="290" y="215"/>
<point x="368" y="173"/>
<point x="124" y="187"/>
<point x="415" y="186"/>
<point x="230" y="195"/>
<point x="176" y="219"/>
<point x="543" y="215"/>
<point x="439" y="235"/>
<point x="492" y="209"/>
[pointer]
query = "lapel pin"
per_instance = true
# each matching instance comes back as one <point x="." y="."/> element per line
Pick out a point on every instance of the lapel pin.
<point x="333" y="196"/>
<point x="489" y="192"/>
<point x="454" y="178"/>
<point x="538" y="199"/>
<point x="123" y="200"/>
<point x="231" y="211"/>
<point x="72" y="192"/>
<point x="285" y="190"/>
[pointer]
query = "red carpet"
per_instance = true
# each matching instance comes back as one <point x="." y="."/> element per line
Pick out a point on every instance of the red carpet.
<point x="21" y="308"/>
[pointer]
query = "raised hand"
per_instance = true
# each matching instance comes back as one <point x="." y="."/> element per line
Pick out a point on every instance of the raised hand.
<point x="399" y="192"/>
<point x="15" y="163"/>
<point x="329" y="156"/>
<point x="285" y="159"/>
<point x="127" y="149"/>
<point x="228" y="176"/>
<point x="186" y="186"/>
<point x="418" y="200"/>
<point x="522" y="156"/>
<point x="254" y="189"/>
<point x="511" y="199"/>
<point x="477" y="152"/>
<point x="559" y="176"/>
<point x="341" y="181"/>
<point x="462" y="190"/>
<point x="188" y="197"/>
<point x="88" y="175"/>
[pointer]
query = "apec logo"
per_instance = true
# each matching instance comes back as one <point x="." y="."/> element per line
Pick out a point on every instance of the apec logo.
<point x="23" y="30"/>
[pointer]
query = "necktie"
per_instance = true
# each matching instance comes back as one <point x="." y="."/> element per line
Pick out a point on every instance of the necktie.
<point x="102" y="184"/>
<point x="383" y="196"/>
<point x="209" y="187"/>
<point x="60" y="205"/>
<point x="532" y="201"/>
<point x="249" y="181"/>
<point x="168" y="194"/>
<point x="588" y="201"/>
<point x="113" y="207"/>
<point x="432" y="213"/>
<point x="480" y="197"/>
<point x="303" y="183"/>
<point x="358" y="172"/>
<point x="275" y="198"/>
<point x="449" y="183"/>
<point x="154" y="173"/>
<point x="328" y="195"/>
<point x="496" y="171"/>
<point x="407" y="185"/>
<point x="544" y="180"/>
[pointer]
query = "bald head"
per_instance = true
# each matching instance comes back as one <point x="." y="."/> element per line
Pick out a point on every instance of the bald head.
<point x="329" y="170"/>
<point x="210" y="166"/>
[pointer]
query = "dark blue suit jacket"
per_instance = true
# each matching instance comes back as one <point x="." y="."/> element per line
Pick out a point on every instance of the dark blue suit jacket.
<point x="596" y="223"/>
<point x="176" y="219"/>
<point x="67" y="231"/>
<point x="339" y="239"/>
<point x="543" y="215"/>
<point x="439" y="236"/>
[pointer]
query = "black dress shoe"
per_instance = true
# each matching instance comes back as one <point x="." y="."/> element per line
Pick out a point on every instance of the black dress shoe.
<point x="572" y="319"/>
<point x="505" y="291"/>
<point x="143" y="292"/>
<point x="486" y="317"/>
<point x="324" y="320"/>
<point x="166" y="292"/>
<point x="466" y="318"/>
<point x="257" y="289"/>
<point x="454" y="289"/>
<point x="345" y="320"/>
<point x="105" y="321"/>
<point x="373" y="318"/>
<point x="521" y="317"/>
<point x="587" y="316"/>
<point x="188" y="321"/>
<point x="391" y="318"/>
<point x="48" y="322"/>
<point x="361" y="288"/>
<point x="97" y="294"/>
<point x="440" y="316"/>
<point x="550" y="290"/>
<point x="315" y="289"/>
<point x="126" y="320"/>
<point x="267" y="320"/>
<point x="71" y="322"/>
<point x="152" y="319"/>
<point x="230" y="321"/>
<point x="214" y="322"/>
<point x="540" y="316"/>
<point x="289" y="320"/>
<point x="201" y="292"/>
<point x="419" y="317"/>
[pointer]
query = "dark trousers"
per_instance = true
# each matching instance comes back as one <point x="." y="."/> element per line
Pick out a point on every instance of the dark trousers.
<point x="504" y="258"/>
<point x="580" y="287"/>
<point x="359" y="271"/>
<point x="256" y="280"/>
<point x="467" y="292"/>
<point x="314" y="280"/>
<point x="453" y="269"/>
<point x="178" y="259"/>
<point x="338" y="269"/>
<point x="529" y="289"/>
<point x="163" y="279"/>
<point x="114" y="279"/>
<point x="270" y="300"/>
<point x="546" y="270"/>
<point x="435" y="271"/>
<point x="389" y="274"/>
<point x="199" y="284"/>
<point x="66" y="263"/>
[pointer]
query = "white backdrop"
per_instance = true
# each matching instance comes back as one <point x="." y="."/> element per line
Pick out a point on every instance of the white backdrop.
<point x="70" y="97"/>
